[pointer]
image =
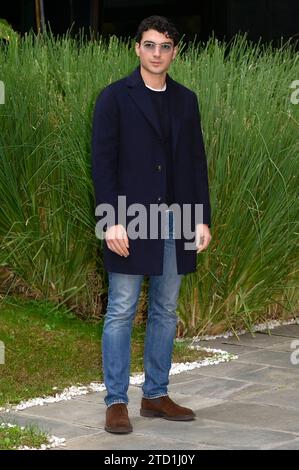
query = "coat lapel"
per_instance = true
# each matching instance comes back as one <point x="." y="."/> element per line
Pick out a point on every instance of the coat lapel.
<point x="138" y="92"/>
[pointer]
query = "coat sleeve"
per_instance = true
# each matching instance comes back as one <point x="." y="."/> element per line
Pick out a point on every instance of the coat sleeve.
<point x="105" y="150"/>
<point x="201" y="167"/>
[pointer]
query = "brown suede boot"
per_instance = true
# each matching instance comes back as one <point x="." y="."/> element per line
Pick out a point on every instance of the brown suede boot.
<point x="117" y="419"/>
<point x="164" y="407"/>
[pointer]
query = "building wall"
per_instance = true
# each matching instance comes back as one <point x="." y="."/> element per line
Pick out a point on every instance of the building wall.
<point x="268" y="19"/>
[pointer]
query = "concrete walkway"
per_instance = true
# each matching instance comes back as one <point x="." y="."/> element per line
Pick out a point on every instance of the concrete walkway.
<point x="249" y="403"/>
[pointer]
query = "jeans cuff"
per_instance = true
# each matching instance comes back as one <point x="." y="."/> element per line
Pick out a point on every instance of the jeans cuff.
<point x="156" y="396"/>
<point x="116" y="401"/>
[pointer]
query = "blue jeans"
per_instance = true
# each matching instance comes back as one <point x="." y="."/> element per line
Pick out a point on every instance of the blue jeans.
<point x="123" y="296"/>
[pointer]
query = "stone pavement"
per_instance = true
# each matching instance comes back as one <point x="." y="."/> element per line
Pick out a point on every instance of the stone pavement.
<point x="249" y="403"/>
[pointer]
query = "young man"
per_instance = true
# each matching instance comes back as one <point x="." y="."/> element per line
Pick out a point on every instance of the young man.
<point x="147" y="146"/>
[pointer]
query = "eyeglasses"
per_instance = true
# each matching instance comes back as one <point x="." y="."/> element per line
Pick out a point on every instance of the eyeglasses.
<point x="150" y="46"/>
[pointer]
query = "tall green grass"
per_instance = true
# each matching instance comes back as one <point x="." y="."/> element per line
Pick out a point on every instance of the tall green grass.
<point x="250" y="270"/>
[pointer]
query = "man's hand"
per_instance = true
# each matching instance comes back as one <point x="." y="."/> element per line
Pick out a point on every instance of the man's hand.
<point x="202" y="237"/>
<point x="117" y="240"/>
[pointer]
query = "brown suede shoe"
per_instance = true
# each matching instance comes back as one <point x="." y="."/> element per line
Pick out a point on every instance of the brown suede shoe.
<point x="117" y="419"/>
<point x="164" y="407"/>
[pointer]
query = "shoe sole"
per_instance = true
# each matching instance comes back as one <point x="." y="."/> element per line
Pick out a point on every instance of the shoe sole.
<point x="157" y="414"/>
<point x="118" y="430"/>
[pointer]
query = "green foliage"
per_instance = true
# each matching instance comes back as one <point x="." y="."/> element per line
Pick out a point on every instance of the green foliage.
<point x="250" y="127"/>
<point x="45" y="348"/>
<point x="250" y="271"/>
<point x="7" y="32"/>
<point x="48" y="349"/>
<point x="13" y="437"/>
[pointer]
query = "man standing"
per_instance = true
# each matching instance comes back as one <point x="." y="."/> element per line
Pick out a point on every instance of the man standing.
<point x="147" y="145"/>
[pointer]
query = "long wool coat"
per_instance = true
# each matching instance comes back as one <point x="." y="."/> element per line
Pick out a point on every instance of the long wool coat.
<point x="128" y="160"/>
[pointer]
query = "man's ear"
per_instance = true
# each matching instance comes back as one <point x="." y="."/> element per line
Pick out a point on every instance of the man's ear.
<point x="137" y="46"/>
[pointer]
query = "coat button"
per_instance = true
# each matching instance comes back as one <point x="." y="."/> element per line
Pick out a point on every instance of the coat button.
<point x="159" y="199"/>
<point x="159" y="167"/>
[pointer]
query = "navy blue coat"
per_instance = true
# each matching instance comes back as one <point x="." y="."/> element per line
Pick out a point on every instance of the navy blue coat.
<point x="127" y="157"/>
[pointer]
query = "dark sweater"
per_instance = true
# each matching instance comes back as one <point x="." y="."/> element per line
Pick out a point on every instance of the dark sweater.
<point x="160" y="100"/>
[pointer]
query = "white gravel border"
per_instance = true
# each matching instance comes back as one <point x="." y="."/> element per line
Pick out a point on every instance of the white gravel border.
<point x="260" y="327"/>
<point x="136" y="379"/>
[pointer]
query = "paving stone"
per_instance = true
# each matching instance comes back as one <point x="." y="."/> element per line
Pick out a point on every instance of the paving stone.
<point x="291" y="445"/>
<point x="98" y="397"/>
<point x="271" y="376"/>
<point x="93" y="397"/>
<point x="189" y="401"/>
<point x="286" y="330"/>
<point x="211" y="387"/>
<point x="72" y="411"/>
<point x="285" y="346"/>
<point x="49" y="425"/>
<point x="251" y="391"/>
<point x="259" y="340"/>
<point x="221" y="434"/>
<point x="224" y="345"/>
<point x="226" y="369"/>
<point x="132" y="441"/>
<point x="263" y="416"/>
<point x="272" y="358"/>
<point x="184" y="377"/>
<point x="283" y="396"/>
<point x="248" y="403"/>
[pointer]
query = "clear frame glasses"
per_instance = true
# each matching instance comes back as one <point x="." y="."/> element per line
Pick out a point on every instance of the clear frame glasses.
<point x="165" y="47"/>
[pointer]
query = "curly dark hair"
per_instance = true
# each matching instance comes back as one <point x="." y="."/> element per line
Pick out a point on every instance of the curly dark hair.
<point x="160" y="24"/>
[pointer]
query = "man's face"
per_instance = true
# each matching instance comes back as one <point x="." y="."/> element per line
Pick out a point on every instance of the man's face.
<point x="156" y="51"/>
